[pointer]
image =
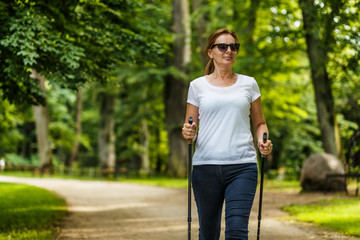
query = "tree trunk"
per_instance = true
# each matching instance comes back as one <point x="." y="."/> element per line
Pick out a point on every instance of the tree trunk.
<point x="159" y="162"/>
<point x="175" y="91"/>
<point x="78" y="112"/>
<point x="106" y="140"/>
<point x="41" y="116"/>
<point x="175" y="112"/>
<point x="200" y="26"/>
<point x="144" y="142"/>
<point x="322" y="85"/>
<point x="182" y="30"/>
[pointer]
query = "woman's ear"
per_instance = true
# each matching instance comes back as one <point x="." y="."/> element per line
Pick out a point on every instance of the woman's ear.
<point x="209" y="52"/>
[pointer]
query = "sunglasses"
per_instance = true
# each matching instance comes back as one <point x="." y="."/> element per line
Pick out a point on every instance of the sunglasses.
<point x="223" y="47"/>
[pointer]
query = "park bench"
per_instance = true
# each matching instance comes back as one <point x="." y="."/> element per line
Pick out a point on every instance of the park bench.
<point x="105" y="172"/>
<point x="47" y="169"/>
<point x="119" y="169"/>
<point x="352" y="166"/>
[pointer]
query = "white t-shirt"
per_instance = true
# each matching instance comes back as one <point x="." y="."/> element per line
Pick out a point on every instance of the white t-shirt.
<point x="224" y="135"/>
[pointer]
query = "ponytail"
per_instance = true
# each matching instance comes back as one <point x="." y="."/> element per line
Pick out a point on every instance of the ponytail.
<point x="210" y="67"/>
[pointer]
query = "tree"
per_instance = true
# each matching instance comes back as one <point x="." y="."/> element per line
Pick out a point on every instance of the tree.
<point x="69" y="42"/>
<point x="41" y="115"/>
<point x="76" y="144"/>
<point x="175" y="90"/>
<point x="125" y="39"/>
<point x="319" y="38"/>
<point x="106" y="140"/>
<point x="31" y="39"/>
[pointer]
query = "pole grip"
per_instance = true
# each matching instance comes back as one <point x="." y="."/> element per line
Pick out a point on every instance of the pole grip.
<point x="190" y="122"/>
<point x="264" y="137"/>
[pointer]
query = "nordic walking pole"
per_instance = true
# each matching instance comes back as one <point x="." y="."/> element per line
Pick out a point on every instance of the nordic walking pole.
<point x="261" y="187"/>
<point x="189" y="183"/>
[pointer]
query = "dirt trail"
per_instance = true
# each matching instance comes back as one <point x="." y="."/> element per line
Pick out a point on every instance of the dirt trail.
<point x="113" y="210"/>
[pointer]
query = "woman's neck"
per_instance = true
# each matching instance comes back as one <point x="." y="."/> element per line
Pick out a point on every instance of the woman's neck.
<point x="222" y="77"/>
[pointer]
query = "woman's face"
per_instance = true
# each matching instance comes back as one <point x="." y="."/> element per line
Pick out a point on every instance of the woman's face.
<point x="223" y="58"/>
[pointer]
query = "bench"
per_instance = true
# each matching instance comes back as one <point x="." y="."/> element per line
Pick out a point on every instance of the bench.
<point x="106" y="172"/>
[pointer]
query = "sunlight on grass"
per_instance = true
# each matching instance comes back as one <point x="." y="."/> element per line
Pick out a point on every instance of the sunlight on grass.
<point x="277" y="185"/>
<point x="160" y="181"/>
<point x="342" y="215"/>
<point x="28" y="212"/>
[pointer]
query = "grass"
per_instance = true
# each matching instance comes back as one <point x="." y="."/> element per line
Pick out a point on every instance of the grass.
<point x="28" y="212"/>
<point x="342" y="215"/>
<point x="160" y="181"/>
<point x="283" y="186"/>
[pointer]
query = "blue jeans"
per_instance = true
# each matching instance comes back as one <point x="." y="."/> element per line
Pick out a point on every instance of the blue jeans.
<point x="236" y="184"/>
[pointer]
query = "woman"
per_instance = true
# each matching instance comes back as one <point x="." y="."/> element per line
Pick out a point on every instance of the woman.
<point x="225" y="160"/>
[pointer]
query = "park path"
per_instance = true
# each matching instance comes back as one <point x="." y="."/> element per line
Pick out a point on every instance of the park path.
<point x="112" y="210"/>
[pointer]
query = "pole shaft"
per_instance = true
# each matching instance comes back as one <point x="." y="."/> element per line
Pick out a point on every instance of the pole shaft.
<point x="261" y="187"/>
<point x="189" y="184"/>
<point x="261" y="196"/>
<point x="189" y="191"/>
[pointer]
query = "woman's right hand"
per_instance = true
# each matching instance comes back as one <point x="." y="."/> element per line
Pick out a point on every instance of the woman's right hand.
<point x="189" y="132"/>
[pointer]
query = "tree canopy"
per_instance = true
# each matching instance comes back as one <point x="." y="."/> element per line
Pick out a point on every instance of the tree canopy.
<point x="70" y="42"/>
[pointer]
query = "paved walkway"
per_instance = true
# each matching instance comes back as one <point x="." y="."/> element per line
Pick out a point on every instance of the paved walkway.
<point x="113" y="210"/>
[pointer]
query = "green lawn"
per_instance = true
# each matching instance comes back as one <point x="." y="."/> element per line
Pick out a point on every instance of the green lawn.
<point x="342" y="215"/>
<point x="28" y="212"/>
<point x="160" y="181"/>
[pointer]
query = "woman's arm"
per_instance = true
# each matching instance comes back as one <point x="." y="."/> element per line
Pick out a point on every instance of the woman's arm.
<point x="260" y="127"/>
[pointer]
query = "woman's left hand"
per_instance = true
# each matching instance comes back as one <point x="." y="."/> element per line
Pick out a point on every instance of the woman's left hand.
<point x="265" y="148"/>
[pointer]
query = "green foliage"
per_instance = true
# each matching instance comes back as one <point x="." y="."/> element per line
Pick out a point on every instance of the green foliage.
<point x="338" y="214"/>
<point x="28" y="212"/>
<point x="61" y="113"/>
<point x="145" y="103"/>
<point x="70" y="42"/>
<point x="17" y="160"/>
<point x="10" y="118"/>
<point x="31" y="40"/>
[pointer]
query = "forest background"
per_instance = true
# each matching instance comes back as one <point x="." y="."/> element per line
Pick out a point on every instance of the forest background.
<point x="96" y="83"/>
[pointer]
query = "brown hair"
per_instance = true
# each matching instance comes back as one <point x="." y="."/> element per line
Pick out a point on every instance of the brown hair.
<point x="210" y="67"/>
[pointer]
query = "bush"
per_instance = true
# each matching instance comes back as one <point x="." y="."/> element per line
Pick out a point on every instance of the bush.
<point x="17" y="161"/>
